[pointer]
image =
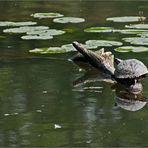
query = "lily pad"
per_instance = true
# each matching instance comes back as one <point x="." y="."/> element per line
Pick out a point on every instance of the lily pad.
<point x="144" y="34"/>
<point x="99" y="29"/>
<point x="136" y="40"/>
<point x="126" y="19"/>
<point x="46" y="15"/>
<point x="25" y="29"/>
<point x="37" y="37"/>
<point x="131" y="49"/>
<point x="46" y="32"/>
<point x="68" y="47"/>
<point x="16" y="24"/>
<point x="132" y="31"/>
<point x="48" y="50"/>
<point x="137" y="26"/>
<point x="69" y="20"/>
<point x="70" y="30"/>
<point x="62" y="49"/>
<point x="92" y="44"/>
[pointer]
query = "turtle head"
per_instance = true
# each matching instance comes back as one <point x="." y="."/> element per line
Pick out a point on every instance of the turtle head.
<point x="117" y="61"/>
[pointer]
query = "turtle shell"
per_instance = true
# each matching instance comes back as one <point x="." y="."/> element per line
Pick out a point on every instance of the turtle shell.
<point x="131" y="68"/>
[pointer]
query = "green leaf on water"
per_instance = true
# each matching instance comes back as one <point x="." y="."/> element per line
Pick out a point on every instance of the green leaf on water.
<point x="69" y="20"/>
<point x="126" y="19"/>
<point x="92" y="44"/>
<point x="16" y="24"/>
<point x="68" y="47"/>
<point x="131" y="31"/>
<point x="62" y="49"/>
<point x="136" y="40"/>
<point x="131" y="49"/>
<point x="46" y="15"/>
<point x="50" y="32"/>
<point x="144" y="34"/>
<point x="37" y="37"/>
<point x="99" y="29"/>
<point x="50" y="50"/>
<point x="25" y="29"/>
<point x="70" y="30"/>
<point x="138" y="26"/>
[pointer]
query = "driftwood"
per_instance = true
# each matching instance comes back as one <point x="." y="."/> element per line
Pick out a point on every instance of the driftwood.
<point x="99" y="59"/>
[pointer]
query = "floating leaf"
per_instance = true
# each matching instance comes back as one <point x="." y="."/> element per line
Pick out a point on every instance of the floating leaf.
<point x="48" y="50"/>
<point x="50" y="32"/>
<point x="25" y="29"/>
<point x="62" y="49"/>
<point x="92" y="44"/>
<point x="136" y="40"/>
<point x="138" y="26"/>
<point x="38" y="50"/>
<point x="69" y="30"/>
<point x="68" y="47"/>
<point x="140" y="49"/>
<point x="123" y="49"/>
<point x="69" y="20"/>
<point x="132" y="31"/>
<point x="131" y="49"/>
<point x="46" y="15"/>
<point x="99" y="29"/>
<point x="144" y="34"/>
<point x="126" y="19"/>
<point x="37" y="37"/>
<point x="8" y="23"/>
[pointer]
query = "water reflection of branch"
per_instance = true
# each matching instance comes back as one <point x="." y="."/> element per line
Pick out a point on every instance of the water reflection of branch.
<point x="91" y="75"/>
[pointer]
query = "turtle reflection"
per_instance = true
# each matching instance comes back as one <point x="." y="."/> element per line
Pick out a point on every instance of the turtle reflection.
<point x="130" y="101"/>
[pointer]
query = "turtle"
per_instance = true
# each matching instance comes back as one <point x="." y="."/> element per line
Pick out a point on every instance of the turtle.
<point x="129" y="71"/>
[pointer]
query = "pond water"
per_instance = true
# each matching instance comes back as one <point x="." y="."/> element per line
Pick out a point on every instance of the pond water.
<point x="39" y="104"/>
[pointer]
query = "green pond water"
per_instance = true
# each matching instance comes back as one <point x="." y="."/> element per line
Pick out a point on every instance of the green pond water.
<point x="39" y="105"/>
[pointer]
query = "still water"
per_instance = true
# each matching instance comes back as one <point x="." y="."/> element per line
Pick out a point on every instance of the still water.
<point x="38" y="104"/>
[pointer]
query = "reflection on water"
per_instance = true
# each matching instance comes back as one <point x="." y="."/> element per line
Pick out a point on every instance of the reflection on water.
<point x="130" y="102"/>
<point x="125" y="99"/>
<point x="36" y="91"/>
